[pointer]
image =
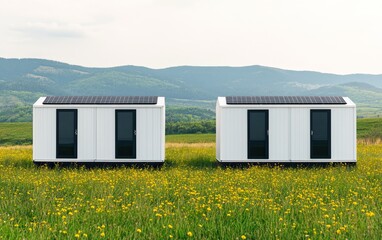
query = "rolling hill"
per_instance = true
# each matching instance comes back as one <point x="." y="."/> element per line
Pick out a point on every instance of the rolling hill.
<point x="22" y="81"/>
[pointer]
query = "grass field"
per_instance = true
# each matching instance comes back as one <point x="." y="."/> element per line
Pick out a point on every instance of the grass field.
<point x="369" y="128"/>
<point x="15" y="133"/>
<point x="190" y="197"/>
<point x="191" y="138"/>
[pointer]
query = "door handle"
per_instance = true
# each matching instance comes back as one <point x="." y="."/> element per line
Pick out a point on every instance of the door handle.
<point x="75" y="132"/>
<point x="268" y="132"/>
<point x="311" y="132"/>
<point x="135" y="132"/>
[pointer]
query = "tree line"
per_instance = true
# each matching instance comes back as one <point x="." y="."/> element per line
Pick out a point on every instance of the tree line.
<point x="202" y="126"/>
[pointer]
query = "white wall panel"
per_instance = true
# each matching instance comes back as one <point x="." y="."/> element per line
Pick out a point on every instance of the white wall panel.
<point x="96" y="132"/>
<point x="343" y="134"/>
<point x="142" y="134"/>
<point x="163" y="134"/>
<point x="87" y="134"/>
<point x="44" y="134"/>
<point x="233" y="134"/>
<point x="149" y="134"/>
<point x="105" y="134"/>
<point x="155" y="121"/>
<point x="149" y="130"/>
<point x="300" y="134"/>
<point x="218" y="119"/>
<point x="289" y="133"/>
<point x="279" y="134"/>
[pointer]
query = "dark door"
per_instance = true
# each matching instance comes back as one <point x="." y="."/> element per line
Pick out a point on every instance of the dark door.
<point x="258" y="134"/>
<point x="320" y="134"/>
<point x="66" y="133"/>
<point x="125" y="134"/>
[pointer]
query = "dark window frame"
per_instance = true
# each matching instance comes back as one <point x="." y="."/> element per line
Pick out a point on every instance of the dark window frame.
<point x="267" y="133"/>
<point x="329" y="133"/>
<point x="134" y="156"/>
<point x="75" y="111"/>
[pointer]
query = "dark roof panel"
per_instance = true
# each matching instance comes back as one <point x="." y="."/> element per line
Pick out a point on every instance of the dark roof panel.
<point x="101" y="100"/>
<point x="244" y="100"/>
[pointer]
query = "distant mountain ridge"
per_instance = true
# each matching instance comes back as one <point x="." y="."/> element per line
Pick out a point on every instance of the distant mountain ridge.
<point x="22" y="81"/>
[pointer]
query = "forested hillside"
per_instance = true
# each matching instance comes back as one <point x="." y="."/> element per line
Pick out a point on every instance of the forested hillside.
<point x="22" y="81"/>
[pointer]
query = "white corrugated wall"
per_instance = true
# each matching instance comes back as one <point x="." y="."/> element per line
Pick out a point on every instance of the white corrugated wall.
<point x="343" y="123"/>
<point x="105" y="134"/>
<point x="148" y="134"/>
<point x="86" y="134"/>
<point x="218" y="134"/>
<point x="279" y="125"/>
<point x="96" y="134"/>
<point x="233" y="132"/>
<point x="300" y="134"/>
<point x="44" y="133"/>
<point x="289" y="134"/>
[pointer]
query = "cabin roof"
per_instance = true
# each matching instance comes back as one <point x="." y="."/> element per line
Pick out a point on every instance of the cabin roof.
<point x="100" y="100"/>
<point x="309" y="100"/>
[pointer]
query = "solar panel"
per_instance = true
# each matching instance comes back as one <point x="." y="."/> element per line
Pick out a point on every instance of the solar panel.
<point x="101" y="100"/>
<point x="243" y="100"/>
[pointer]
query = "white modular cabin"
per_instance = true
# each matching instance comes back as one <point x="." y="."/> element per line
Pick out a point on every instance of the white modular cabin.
<point x="83" y="129"/>
<point x="285" y="129"/>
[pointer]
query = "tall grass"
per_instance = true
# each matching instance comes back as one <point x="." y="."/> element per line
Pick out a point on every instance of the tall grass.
<point x="370" y="128"/>
<point x="15" y="133"/>
<point x="191" y="197"/>
<point x="191" y="138"/>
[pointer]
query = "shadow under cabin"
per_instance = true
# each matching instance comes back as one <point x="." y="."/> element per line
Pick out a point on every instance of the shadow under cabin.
<point x="99" y="129"/>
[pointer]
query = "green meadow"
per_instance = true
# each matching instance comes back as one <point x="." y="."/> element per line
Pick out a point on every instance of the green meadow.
<point x="190" y="197"/>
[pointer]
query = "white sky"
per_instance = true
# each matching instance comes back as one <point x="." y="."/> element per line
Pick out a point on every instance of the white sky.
<point x="338" y="36"/>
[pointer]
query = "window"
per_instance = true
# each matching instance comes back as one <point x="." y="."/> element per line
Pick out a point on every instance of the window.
<point x="66" y="133"/>
<point x="125" y="134"/>
<point x="320" y="134"/>
<point x="258" y="134"/>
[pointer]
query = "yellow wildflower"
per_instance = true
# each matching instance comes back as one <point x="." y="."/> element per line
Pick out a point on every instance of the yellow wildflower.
<point x="370" y="214"/>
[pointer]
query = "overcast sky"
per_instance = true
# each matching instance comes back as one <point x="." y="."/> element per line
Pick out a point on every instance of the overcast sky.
<point x="337" y="36"/>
